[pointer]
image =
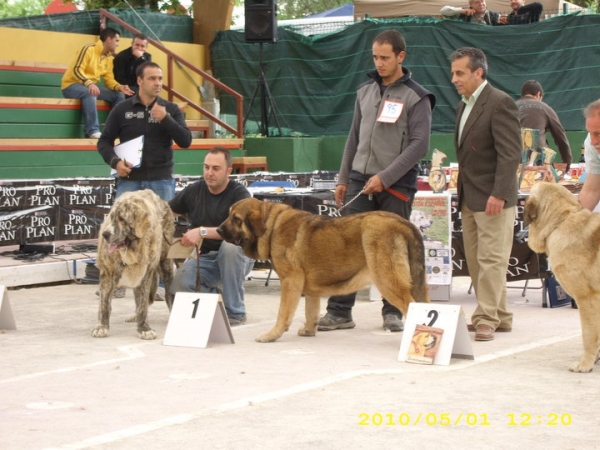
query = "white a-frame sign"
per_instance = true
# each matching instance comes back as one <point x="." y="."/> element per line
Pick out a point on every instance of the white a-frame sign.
<point x="197" y="319"/>
<point x="455" y="340"/>
<point x="7" y="321"/>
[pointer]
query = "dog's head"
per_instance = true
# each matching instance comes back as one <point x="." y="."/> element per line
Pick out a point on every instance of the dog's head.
<point x="129" y="220"/>
<point x="246" y="224"/>
<point x="420" y="220"/>
<point x="429" y="341"/>
<point x="546" y="208"/>
<point x="423" y="341"/>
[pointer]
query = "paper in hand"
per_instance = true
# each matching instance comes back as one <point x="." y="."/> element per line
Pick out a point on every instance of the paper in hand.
<point x="130" y="151"/>
<point x="178" y="251"/>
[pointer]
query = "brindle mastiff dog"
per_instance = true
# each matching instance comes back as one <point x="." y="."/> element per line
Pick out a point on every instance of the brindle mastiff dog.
<point x="319" y="255"/>
<point x="132" y="251"/>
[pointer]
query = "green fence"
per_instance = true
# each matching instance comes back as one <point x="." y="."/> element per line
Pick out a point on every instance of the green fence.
<point x="313" y="80"/>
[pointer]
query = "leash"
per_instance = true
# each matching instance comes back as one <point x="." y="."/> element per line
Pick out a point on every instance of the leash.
<point x="355" y="197"/>
<point x="396" y="194"/>
<point x="197" y="262"/>
<point x="197" y="268"/>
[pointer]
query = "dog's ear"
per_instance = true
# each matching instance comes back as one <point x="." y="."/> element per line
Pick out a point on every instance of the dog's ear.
<point x="256" y="220"/>
<point x="530" y="211"/>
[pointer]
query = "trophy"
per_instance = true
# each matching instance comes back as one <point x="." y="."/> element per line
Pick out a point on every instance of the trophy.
<point x="437" y="176"/>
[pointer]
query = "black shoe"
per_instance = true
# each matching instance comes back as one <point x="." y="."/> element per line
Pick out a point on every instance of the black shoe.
<point x="330" y="322"/>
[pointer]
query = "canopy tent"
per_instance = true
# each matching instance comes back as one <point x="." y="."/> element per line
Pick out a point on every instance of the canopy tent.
<point x="340" y="11"/>
<point x="401" y="8"/>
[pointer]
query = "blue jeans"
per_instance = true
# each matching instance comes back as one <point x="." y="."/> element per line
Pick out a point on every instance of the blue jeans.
<point x="88" y="103"/>
<point x="165" y="189"/>
<point x="221" y="271"/>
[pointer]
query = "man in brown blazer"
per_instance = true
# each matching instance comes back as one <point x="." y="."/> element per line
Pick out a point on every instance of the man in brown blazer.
<point x="488" y="147"/>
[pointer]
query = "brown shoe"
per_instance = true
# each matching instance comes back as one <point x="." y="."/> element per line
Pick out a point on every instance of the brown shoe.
<point x="471" y="328"/>
<point x="484" y="333"/>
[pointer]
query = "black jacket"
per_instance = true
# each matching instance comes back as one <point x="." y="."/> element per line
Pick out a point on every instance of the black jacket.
<point x="125" y="65"/>
<point x="130" y="119"/>
<point x="526" y="14"/>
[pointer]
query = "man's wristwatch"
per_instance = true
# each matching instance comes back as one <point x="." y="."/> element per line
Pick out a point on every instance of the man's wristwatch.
<point x="203" y="231"/>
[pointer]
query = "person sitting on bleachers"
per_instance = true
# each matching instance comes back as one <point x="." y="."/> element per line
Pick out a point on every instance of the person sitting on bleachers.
<point x="522" y="14"/>
<point x="477" y="12"/>
<point x="80" y="81"/>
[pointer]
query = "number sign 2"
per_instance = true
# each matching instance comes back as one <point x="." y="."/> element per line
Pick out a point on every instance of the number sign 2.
<point x="450" y="318"/>
<point x="197" y="319"/>
<point x="7" y="320"/>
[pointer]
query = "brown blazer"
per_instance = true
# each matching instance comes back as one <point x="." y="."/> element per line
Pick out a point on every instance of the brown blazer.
<point x="489" y="152"/>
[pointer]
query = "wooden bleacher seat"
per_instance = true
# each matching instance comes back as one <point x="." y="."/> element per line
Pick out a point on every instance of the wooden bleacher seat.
<point x="199" y="125"/>
<point x="242" y="164"/>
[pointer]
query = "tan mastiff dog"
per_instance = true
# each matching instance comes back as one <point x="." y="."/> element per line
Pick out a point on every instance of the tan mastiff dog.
<point x="320" y="255"/>
<point x="569" y="234"/>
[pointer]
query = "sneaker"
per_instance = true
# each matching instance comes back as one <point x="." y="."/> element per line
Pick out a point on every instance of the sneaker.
<point x="234" y="322"/>
<point x="393" y="323"/>
<point x="160" y="294"/>
<point x="330" y="322"/>
<point x="95" y="135"/>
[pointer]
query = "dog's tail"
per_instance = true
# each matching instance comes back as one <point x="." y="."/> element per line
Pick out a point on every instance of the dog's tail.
<point x="416" y="261"/>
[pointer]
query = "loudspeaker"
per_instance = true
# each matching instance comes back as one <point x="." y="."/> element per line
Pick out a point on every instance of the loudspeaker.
<point x="261" y="20"/>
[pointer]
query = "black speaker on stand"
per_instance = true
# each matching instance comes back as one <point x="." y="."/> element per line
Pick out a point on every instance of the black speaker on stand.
<point x="261" y="27"/>
<point x="260" y="20"/>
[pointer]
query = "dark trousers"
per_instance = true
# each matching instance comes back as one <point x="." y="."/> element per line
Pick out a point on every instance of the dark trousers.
<point x="341" y="305"/>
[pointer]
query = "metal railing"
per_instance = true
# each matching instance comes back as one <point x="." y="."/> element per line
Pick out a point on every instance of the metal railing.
<point x="173" y="59"/>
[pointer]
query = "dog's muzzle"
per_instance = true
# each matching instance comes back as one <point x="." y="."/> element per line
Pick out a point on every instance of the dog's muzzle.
<point x="227" y="236"/>
<point x="112" y="246"/>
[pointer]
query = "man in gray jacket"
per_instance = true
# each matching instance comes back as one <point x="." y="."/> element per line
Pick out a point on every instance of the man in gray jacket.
<point x="534" y="113"/>
<point x="388" y="137"/>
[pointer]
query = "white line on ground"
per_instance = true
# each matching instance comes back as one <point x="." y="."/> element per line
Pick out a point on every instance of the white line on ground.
<point x="130" y="351"/>
<point x="305" y="387"/>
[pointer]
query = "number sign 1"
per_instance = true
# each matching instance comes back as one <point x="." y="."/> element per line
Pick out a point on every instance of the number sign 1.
<point x="455" y="340"/>
<point x="197" y="319"/>
<point x="7" y="321"/>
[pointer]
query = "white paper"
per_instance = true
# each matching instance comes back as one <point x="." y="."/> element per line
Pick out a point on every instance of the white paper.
<point x="130" y="151"/>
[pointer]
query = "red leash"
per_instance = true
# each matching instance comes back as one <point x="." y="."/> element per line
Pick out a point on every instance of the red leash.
<point x="397" y="194"/>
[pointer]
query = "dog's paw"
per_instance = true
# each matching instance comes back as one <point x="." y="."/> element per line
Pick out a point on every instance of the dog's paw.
<point x="131" y="319"/>
<point x="266" y="337"/>
<point x="303" y="331"/>
<point x="100" y="332"/>
<point x="584" y="365"/>
<point x="148" y="335"/>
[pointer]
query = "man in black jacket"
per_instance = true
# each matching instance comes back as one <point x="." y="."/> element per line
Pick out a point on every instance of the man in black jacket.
<point x="522" y="14"/>
<point x="160" y="122"/>
<point x="127" y="61"/>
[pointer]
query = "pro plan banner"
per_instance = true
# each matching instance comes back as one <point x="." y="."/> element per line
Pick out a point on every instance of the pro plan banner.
<point x="81" y="224"/>
<point x="13" y="195"/>
<point x="86" y="193"/>
<point x="524" y="263"/>
<point x="34" y="211"/>
<point x="28" y="226"/>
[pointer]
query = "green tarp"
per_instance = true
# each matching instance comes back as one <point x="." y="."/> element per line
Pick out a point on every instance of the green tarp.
<point x="166" y="26"/>
<point x="312" y="80"/>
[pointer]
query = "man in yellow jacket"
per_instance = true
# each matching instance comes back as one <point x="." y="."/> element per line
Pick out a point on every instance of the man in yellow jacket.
<point x="92" y="62"/>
